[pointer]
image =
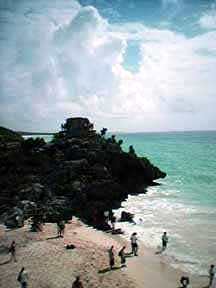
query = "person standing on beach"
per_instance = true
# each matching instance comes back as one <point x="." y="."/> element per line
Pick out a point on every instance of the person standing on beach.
<point x="12" y="251"/>
<point x="212" y="276"/>
<point x="164" y="241"/>
<point x="60" y="228"/>
<point x="22" y="278"/>
<point x="77" y="283"/>
<point x="134" y="245"/>
<point x="111" y="257"/>
<point x="122" y="256"/>
<point x="113" y="220"/>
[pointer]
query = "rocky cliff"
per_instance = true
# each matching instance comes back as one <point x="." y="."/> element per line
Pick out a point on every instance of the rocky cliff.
<point x="82" y="174"/>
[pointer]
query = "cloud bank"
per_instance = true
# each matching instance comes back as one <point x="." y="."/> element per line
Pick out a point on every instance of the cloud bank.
<point x="61" y="59"/>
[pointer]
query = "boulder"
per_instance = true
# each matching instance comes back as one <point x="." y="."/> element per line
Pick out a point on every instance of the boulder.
<point x="14" y="218"/>
<point x="126" y="217"/>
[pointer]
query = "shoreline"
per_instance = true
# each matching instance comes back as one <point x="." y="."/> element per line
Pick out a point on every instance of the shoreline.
<point x="89" y="257"/>
<point x="190" y="246"/>
<point x="153" y="270"/>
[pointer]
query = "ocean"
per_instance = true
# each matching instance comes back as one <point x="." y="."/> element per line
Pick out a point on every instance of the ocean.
<point x="184" y="204"/>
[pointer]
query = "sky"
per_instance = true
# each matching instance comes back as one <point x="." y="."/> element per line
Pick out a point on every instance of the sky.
<point x="128" y="65"/>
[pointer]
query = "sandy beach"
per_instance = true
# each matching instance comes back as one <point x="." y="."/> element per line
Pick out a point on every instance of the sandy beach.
<point x="49" y="264"/>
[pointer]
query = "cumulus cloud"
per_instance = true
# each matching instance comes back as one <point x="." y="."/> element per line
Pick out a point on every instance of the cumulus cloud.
<point x="208" y="19"/>
<point x="62" y="59"/>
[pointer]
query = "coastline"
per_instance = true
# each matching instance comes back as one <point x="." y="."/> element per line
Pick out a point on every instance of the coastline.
<point x="49" y="264"/>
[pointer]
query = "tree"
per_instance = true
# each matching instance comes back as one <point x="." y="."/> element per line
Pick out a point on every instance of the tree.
<point x="103" y="132"/>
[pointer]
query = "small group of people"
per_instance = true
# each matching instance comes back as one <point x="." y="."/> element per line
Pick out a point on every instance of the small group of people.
<point x="121" y="254"/>
<point x="134" y="249"/>
<point x="134" y="245"/>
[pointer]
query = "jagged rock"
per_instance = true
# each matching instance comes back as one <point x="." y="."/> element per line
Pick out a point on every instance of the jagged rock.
<point x="58" y="209"/>
<point x="77" y="165"/>
<point x="75" y="153"/>
<point x="77" y="186"/>
<point x="33" y="193"/>
<point x="96" y="155"/>
<point x="133" y="173"/>
<point x="126" y="217"/>
<point x="14" y="218"/>
<point x="37" y="188"/>
<point x="105" y="190"/>
<point x="100" y="171"/>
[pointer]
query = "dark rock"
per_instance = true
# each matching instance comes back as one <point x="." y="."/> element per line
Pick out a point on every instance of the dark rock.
<point x="105" y="190"/>
<point x="14" y="218"/>
<point x="9" y="136"/>
<point x="76" y="165"/>
<point x="126" y="217"/>
<point x="100" y="171"/>
<point x="75" y="153"/>
<point x="80" y="173"/>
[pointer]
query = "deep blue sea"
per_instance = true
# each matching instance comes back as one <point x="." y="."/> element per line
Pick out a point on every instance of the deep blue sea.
<point x="184" y="204"/>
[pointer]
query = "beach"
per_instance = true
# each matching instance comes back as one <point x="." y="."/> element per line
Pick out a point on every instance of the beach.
<point x="49" y="264"/>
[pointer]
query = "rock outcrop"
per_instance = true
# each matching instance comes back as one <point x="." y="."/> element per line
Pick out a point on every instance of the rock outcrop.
<point x="9" y="136"/>
<point x="80" y="173"/>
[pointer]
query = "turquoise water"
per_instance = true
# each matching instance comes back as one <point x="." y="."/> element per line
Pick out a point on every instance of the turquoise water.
<point x="47" y="138"/>
<point x="184" y="204"/>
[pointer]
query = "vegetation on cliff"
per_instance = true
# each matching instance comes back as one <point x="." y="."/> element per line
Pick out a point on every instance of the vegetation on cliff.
<point x="7" y="136"/>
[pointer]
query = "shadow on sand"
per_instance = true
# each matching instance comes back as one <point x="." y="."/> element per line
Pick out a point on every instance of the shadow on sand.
<point x="127" y="255"/>
<point x="5" y="262"/>
<point x="159" y="252"/>
<point x="108" y="269"/>
<point x="55" y="237"/>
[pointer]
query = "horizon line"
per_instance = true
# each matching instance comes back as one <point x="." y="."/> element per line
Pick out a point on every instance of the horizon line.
<point x="119" y="132"/>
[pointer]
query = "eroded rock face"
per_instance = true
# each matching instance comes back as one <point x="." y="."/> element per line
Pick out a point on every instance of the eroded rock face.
<point x="80" y="174"/>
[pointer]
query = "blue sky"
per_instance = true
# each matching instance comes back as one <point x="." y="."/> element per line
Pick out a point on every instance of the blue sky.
<point x="179" y="15"/>
<point x="129" y="65"/>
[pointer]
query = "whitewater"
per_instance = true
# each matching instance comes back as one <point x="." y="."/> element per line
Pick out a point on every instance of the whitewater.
<point x="184" y="204"/>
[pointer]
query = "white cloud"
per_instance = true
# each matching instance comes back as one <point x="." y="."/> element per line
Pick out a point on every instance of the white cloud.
<point x="60" y="61"/>
<point x="208" y="19"/>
